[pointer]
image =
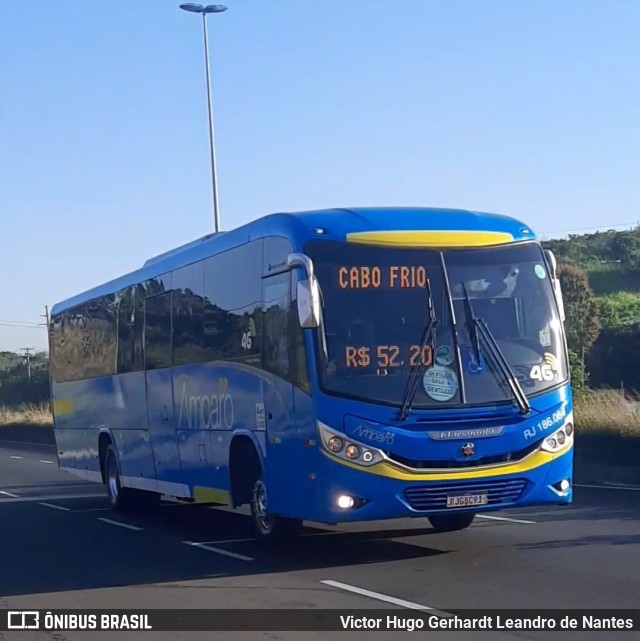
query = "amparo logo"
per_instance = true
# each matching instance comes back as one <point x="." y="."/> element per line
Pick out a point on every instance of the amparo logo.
<point x="208" y="412"/>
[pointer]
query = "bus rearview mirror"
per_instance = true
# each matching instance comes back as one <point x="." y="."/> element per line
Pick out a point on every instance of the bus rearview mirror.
<point x="308" y="296"/>
<point x="558" y="292"/>
<point x="555" y="281"/>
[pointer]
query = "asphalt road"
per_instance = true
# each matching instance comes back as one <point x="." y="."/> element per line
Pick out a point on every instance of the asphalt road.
<point x="62" y="547"/>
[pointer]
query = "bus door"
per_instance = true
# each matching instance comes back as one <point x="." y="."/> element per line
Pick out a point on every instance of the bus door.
<point x="159" y="384"/>
<point x="284" y="462"/>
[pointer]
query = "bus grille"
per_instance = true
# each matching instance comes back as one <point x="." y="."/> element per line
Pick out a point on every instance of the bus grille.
<point x="434" y="497"/>
<point x="496" y="459"/>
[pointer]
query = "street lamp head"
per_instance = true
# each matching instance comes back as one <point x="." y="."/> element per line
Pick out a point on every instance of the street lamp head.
<point x="193" y="7"/>
<point x="215" y="8"/>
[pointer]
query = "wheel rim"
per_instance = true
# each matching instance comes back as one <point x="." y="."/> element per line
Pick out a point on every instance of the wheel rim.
<point x="262" y="507"/>
<point x="112" y="479"/>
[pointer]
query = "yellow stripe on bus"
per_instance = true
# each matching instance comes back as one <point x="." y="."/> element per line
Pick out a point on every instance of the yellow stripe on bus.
<point x="433" y="238"/>
<point x="62" y="406"/>
<point x="210" y="495"/>
<point x="389" y="470"/>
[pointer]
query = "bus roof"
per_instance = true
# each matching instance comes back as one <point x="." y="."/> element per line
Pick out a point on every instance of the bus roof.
<point x="356" y="223"/>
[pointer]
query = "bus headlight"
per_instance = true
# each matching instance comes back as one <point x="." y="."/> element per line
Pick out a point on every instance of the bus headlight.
<point x="558" y="440"/>
<point x="348" y="450"/>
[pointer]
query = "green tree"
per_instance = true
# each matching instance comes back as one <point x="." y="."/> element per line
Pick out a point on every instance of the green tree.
<point x="619" y="309"/>
<point x="583" y="319"/>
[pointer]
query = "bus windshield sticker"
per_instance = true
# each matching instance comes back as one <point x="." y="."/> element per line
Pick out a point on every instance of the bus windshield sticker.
<point x="444" y="355"/>
<point x="545" y="336"/>
<point x="261" y="422"/>
<point x="440" y="383"/>
<point x="545" y="371"/>
<point x="540" y="272"/>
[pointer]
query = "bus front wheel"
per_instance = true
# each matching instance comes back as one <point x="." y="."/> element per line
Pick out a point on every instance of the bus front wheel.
<point x="267" y="526"/>
<point x="451" y="522"/>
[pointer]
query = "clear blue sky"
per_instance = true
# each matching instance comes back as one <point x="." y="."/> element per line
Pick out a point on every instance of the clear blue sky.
<point x="520" y="107"/>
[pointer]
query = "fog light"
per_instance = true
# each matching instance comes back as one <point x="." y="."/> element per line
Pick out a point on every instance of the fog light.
<point x="335" y="444"/>
<point x="345" y="502"/>
<point x="552" y="442"/>
<point x="352" y="451"/>
<point x="564" y="485"/>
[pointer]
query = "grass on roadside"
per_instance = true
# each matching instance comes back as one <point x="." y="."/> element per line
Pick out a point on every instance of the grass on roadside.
<point x="607" y="412"/>
<point x="31" y="415"/>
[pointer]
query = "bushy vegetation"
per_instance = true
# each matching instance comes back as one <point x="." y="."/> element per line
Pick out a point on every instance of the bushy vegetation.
<point x="600" y="275"/>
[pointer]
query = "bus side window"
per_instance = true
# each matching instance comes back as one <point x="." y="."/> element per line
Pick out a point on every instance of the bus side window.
<point x="277" y="302"/>
<point x="130" y="323"/>
<point x="157" y="331"/>
<point x="283" y="345"/>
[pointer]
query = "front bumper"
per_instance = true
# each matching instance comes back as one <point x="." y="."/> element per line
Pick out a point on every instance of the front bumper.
<point x="387" y="492"/>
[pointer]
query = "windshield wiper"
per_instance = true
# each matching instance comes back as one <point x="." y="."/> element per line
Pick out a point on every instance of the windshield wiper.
<point x="478" y="328"/>
<point x="428" y="337"/>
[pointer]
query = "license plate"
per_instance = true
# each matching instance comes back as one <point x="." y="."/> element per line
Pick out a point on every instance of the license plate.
<point x="467" y="500"/>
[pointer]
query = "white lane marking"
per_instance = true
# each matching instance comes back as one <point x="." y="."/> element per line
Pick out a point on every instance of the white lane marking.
<point x="52" y="497"/>
<point x="57" y="507"/>
<point x="221" y="542"/>
<point x="382" y="597"/>
<point x="18" y="457"/>
<point x="9" y="494"/>
<point x="233" y="555"/>
<point x="120" y="524"/>
<point x="49" y="462"/>
<point x="628" y="488"/>
<point x="504" y="518"/>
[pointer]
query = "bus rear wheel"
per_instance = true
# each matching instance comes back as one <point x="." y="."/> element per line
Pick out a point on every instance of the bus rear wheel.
<point x="451" y="522"/>
<point x="124" y="499"/>
<point x="267" y="526"/>
<point x="118" y="496"/>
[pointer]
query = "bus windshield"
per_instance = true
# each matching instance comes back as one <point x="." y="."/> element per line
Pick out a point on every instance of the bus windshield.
<point x="376" y="308"/>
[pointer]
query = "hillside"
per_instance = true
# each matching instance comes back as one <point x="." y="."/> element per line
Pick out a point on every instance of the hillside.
<point x="610" y="264"/>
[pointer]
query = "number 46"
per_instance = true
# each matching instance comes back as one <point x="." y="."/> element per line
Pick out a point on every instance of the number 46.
<point x="542" y="373"/>
<point x="247" y="341"/>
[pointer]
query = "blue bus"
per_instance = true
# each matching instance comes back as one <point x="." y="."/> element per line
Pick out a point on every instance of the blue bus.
<point x="325" y="366"/>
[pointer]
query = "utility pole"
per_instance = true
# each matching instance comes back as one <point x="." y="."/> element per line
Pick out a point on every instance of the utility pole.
<point x="27" y="359"/>
<point x="46" y="315"/>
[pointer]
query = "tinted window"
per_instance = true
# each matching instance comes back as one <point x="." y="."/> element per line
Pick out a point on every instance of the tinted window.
<point x="130" y="329"/>
<point x="84" y="341"/>
<point x="276" y="250"/>
<point x="99" y="340"/>
<point x="283" y="338"/>
<point x="376" y="307"/>
<point x="188" y="314"/>
<point x="157" y="331"/>
<point x="232" y="304"/>
<point x="277" y="305"/>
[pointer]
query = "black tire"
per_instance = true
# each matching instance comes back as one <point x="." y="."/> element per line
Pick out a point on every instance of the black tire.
<point x="124" y="499"/>
<point x="268" y="527"/>
<point x="451" y="522"/>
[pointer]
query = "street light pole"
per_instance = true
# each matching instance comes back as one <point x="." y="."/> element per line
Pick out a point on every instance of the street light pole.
<point x="204" y="10"/>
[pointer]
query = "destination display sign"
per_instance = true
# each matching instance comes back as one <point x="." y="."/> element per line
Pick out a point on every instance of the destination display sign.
<point x="387" y="356"/>
<point x="382" y="277"/>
